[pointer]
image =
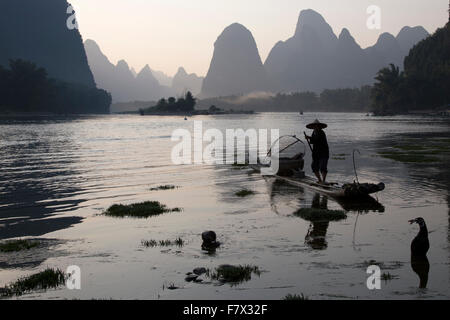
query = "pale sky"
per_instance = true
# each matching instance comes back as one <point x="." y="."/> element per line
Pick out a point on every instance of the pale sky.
<point x="166" y="34"/>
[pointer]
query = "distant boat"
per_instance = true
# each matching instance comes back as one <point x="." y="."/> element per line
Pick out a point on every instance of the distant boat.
<point x="185" y="118"/>
<point x="301" y="113"/>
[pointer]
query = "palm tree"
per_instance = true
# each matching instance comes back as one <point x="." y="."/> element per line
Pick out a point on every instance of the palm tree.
<point x="387" y="91"/>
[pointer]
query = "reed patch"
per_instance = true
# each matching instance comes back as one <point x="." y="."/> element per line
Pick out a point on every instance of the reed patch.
<point x="47" y="279"/>
<point x="139" y="210"/>
<point x="233" y="274"/>
<point x="164" y="187"/>
<point x="162" y="243"/>
<point x="295" y="297"/>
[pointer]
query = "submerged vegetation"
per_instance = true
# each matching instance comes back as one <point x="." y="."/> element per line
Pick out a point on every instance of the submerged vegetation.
<point x="49" y="278"/>
<point x="415" y="151"/>
<point x="408" y="157"/>
<point x="139" y="210"/>
<point x="340" y="156"/>
<point x="163" y="243"/>
<point x="244" y="193"/>
<point x="316" y="214"/>
<point x="18" y="245"/>
<point x="234" y="274"/>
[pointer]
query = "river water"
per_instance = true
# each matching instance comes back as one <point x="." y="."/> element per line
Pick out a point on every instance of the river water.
<point x="57" y="175"/>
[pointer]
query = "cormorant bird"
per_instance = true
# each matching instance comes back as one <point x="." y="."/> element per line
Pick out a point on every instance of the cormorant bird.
<point x="420" y="244"/>
<point x="421" y="266"/>
<point x="419" y="249"/>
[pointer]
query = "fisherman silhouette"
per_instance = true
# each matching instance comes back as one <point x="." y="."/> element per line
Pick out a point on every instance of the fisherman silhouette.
<point x="320" y="150"/>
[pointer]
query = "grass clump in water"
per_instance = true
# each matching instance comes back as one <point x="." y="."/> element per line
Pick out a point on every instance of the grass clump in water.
<point x="18" y="245"/>
<point x="295" y="297"/>
<point x="164" y="187"/>
<point x="149" y="243"/>
<point x="388" y="277"/>
<point x="179" y="242"/>
<point x="234" y="274"/>
<point x="316" y="214"/>
<point x="163" y="243"/>
<point x="244" y="193"/>
<point x="49" y="278"/>
<point x="139" y="210"/>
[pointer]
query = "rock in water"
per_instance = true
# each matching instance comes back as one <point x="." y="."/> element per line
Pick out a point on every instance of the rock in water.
<point x="199" y="271"/>
<point x="209" y="236"/>
<point x="210" y="242"/>
<point x="191" y="277"/>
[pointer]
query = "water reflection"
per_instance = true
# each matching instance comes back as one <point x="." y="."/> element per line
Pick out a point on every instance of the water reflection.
<point x="317" y="232"/>
<point x="425" y="156"/>
<point x="37" y="182"/>
<point x="281" y="193"/>
<point x="362" y="205"/>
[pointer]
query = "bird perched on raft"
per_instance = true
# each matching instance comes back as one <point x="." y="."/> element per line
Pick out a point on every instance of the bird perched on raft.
<point x="420" y="244"/>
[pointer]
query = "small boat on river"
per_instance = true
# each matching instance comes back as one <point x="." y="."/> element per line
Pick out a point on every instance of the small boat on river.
<point x="290" y="170"/>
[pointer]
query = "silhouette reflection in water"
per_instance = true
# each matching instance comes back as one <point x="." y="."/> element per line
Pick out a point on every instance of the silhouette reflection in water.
<point x="282" y="193"/>
<point x="317" y="232"/>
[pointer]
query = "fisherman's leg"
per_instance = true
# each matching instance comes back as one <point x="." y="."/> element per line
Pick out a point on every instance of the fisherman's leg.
<point x="324" y="176"/>
<point x="324" y="168"/>
<point x="315" y="166"/>
<point x="319" y="178"/>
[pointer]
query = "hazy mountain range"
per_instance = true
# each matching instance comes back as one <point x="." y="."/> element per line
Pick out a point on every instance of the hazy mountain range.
<point x="314" y="58"/>
<point x="125" y="84"/>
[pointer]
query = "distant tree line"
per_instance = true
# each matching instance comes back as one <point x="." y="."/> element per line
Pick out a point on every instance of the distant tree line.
<point x="184" y="105"/>
<point x="423" y="85"/>
<point x="24" y="87"/>
<point x="333" y="100"/>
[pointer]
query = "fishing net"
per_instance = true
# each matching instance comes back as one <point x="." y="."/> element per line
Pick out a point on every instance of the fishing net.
<point x="290" y="147"/>
<point x="290" y="152"/>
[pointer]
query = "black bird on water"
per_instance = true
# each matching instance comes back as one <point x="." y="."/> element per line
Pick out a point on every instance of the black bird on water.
<point x="419" y="248"/>
<point x="420" y="245"/>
